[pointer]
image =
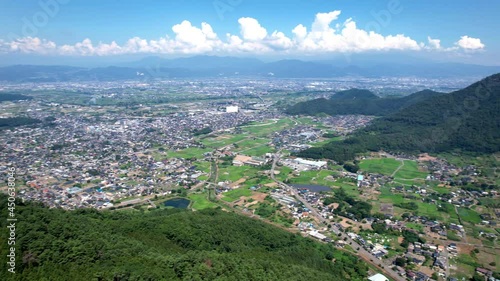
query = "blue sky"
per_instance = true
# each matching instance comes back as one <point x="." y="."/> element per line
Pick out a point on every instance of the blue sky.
<point x="462" y="31"/>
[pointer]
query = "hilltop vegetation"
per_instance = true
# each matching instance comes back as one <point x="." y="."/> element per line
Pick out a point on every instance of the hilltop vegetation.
<point x="356" y="101"/>
<point x="163" y="244"/>
<point x="466" y="120"/>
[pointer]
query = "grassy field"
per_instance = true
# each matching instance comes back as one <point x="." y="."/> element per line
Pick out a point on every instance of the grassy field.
<point x="323" y="142"/>
<point x="267" y="127"/>
<point x="235" y="194"/>
<point x="349" y="187"/>
<point x="234" y="173"/>
<point x="259" y="150"/>
<point x="424" y="209"/>
<point x="415" y="226"/>
<point x="465" y="266"/>
<point x="384" y="166"/>
<point x="450" y="211"/>
<point x="387" y="196"/>
<point x="200" y="201"/>
<point x="429" y="210"/>
<point x="203" y="166"/>
<point x="441" y="190"/>
<point x="314" y="177"/>
<point x="221" y="141"/>
<point x="410" y="170"/>
<point x="251" y="143"/>
<point x="284" y="172"/>
<point x="188" y="153"/>
<point x="307" y="121"/>
<point x="490" y="202"/>
<point x="468" y="215"/>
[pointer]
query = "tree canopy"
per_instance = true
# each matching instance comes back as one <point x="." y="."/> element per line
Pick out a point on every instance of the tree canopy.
<point x="164" y="244"/>
<point x="467" y="120"/>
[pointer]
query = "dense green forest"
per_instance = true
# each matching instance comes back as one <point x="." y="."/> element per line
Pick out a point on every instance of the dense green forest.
<point x="467" y="120"/>
<point x="164" y="244"/>
<point x="13" y="97"/>
<point x="17" y="121"/>
<point x="356" y="101"/>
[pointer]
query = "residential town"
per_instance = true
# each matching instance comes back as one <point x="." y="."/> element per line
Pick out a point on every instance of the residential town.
<point x="414" y="217"/>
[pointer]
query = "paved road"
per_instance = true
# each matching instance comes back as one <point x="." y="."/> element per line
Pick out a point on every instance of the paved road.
<point x="361" y="252"/>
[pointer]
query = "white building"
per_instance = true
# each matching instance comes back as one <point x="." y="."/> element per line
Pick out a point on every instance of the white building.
<point x="231" y="109"/>
<point x="313" y="164"/>
<point x="378" y="277"/>
<point x="316" y="234"/>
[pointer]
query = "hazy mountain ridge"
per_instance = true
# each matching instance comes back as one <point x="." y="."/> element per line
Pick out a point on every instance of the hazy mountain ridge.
<point x="213" y="66"/>
<point x="467" y="120"/>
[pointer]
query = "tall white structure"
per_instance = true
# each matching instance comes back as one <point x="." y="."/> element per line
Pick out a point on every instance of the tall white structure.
<point x="231" y="109"/>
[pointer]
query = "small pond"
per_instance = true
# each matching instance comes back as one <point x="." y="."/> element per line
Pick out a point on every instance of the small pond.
<point x="181" y="203"/>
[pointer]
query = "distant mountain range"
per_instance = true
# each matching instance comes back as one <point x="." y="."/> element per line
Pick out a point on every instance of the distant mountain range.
<point x="467" y="120"/>
<point x="356" y="101"/>
<point x="213" y="66"/>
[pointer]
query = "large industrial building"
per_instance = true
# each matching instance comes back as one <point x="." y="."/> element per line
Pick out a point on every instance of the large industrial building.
<point x="232" y="109"/>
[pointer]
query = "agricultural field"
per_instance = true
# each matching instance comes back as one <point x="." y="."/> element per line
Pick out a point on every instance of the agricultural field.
<point x="203" y="166"/>
<point x="416" y="226"/>
<point x="268" y="127"/>
<point x="322" y="142"/>
<point x="249" y="143"/>
<point x="258" y="150"/>
<point x="384" y="166"/>
<point x="187" y="153"/>
<point x="348" y="185"/>
<point x="410" y="170"/>
<point x="235" y="194"/>
<point x="234" y="173"/>
<point x="314" y="177"/>
<point x="307" y="121"/>
<point x="468" y="215"/>
<point x="200" y="201"/>
<point x="222" y="140"/>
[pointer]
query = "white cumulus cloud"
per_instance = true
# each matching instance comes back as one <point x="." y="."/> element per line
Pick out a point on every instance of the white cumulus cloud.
<point x="434" y="43"/>
<point x="469" y="43"/>
<point x="251" y="29"/>
<point x="326" y="34"/>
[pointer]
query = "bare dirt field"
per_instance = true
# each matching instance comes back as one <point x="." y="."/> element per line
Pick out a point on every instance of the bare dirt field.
<point x="387" y="208"/>
<point x="355" y="225"/>
<point x="238" y="182"/>
<point x="426" y="157"/>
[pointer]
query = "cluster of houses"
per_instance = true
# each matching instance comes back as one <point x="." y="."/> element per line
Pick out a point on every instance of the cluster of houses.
<point x="376" y="249"/>
<point x="296" y="138"/>
<point x="488" y="274"/>
<point x="109" y="155"/>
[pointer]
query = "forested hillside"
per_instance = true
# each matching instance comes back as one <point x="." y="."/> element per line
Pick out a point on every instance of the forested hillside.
<point x="356" y="101"/>
<point x="467" y="120"/>
<point x="54" y="244"/>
